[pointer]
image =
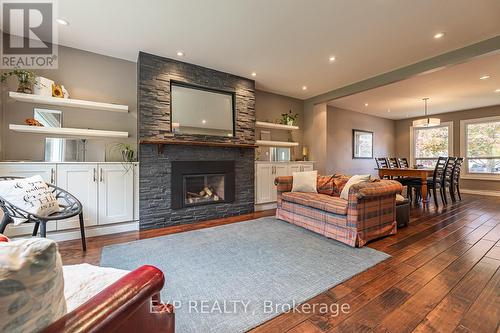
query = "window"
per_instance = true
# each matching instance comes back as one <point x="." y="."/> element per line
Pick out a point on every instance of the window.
<point x="428" y="143"/>
<point x="480" y="145"/>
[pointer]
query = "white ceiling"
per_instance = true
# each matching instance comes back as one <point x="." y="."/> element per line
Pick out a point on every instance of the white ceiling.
<point x="287" y="42"/>
<point x="454" y="88"/>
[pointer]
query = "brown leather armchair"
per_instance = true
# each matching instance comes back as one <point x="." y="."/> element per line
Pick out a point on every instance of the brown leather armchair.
<point x="131" y="304"/>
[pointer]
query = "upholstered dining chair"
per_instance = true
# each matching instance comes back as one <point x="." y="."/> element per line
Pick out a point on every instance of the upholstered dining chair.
<point x="69" y="206"/>
<point x="455" y="179"/>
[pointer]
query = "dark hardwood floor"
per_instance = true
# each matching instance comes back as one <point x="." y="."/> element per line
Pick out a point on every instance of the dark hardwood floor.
<point x="443" y="275"/>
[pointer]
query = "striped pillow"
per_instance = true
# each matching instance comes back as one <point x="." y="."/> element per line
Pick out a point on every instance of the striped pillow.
<point x="339" y="181"/>
<point x="325" y="185"/>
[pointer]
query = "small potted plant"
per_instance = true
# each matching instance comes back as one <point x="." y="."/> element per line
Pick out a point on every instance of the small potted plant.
<point x="289" y="118"/>
<point x="128" y="154"/>
<point x="25" y="78"/>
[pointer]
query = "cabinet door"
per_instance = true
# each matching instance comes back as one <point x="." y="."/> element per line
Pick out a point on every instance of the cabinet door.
<point x="279" y="171"/>
<point x="307" y="167"/>
<point x="262" y="182"/>
<point x="116" y="193"/>
<point x="81" y="181"/>
<point x="48" y="173"/>
<point x="293" y="168"/>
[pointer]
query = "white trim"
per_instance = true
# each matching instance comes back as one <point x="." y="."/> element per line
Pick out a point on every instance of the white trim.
<point x="71" y="132"/>
<point x="448" y="124"/>
<point x="481" y="192"/>
<point x="264" y="124"/>
<point x="265" y="206"/>
<point x="276" y="143"/>
<point x="90" y="231"/>
<point x="463" y="149"/>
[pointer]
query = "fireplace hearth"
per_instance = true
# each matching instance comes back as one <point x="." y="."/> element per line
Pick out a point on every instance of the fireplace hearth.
<point x="202" y="183"/>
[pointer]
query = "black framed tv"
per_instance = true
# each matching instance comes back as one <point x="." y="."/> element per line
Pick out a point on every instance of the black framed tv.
<point x="198" y="110"/>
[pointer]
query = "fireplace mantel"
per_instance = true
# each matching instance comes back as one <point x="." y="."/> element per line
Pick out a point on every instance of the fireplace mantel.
<point x="161" y="143"/>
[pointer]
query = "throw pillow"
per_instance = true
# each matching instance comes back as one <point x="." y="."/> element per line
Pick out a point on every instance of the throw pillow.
<point x="325" y="185"/>
<point x="31" y="285"/>
<point x="339" y="181"/>
<point x="4" y="238"/>
<point x="304" y="181"/>
<point x="31" y="195"/>
<point x="356" y="179"/>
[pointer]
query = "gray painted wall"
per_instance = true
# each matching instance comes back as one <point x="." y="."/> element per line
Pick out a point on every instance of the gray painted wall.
<point x="340" y="124"/>
<point x="87" y="76"/>
<point x="269" y="107"/>
<point x="403" y="140"/>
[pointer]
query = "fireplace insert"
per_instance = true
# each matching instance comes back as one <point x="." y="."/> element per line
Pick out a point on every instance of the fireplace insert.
<point x="201" y="183"/>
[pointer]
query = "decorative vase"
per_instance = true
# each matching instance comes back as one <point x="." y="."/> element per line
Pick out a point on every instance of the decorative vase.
<point x="24" y="87"/>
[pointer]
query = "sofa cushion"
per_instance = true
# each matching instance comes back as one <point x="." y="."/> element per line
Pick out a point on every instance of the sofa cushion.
<point x="339" y="181"/>
<point x="324" y="202"/>
<point x="31" y="285"/>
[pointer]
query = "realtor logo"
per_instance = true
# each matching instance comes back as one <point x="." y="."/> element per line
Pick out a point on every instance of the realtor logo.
<point x="28" y="35"/>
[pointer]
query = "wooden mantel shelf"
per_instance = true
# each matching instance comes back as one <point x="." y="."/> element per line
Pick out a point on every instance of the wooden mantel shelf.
<point x="161" y="143"/>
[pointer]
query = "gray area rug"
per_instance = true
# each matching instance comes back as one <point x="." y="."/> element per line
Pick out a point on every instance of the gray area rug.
<point x="234" y="277"/>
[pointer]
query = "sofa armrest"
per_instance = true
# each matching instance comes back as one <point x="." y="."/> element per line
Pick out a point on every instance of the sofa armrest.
<point x="375" y="188"/>
<point x="284" y="183"/>
<point x="131" y="304"/>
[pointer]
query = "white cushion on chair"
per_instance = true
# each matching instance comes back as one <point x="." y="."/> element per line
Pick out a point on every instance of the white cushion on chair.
<point x="82" y="282"/>
<point x="31" y="285"/>
<point x="30" y="194"/>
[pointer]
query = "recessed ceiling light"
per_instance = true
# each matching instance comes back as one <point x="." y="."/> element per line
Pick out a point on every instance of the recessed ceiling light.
<point x="204" y="121"/>
<point x="304" y="88"/>
<point x="62" y="21"/>
<point x="180" y="53"/>
<point x="366" y="104"/>
<point x="484" y="77"/>
<point x="331" y="59"/>
<point x="254" y="74"/>
<point x="439" y="35"/>
<point x="497" y="90"/>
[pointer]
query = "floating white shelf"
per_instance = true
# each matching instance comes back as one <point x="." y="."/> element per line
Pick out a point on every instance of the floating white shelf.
<point x="276" y="143"/>
<point x="264" y="124"/>
<point x="74" y="103"/>
<point x="72" y="132"/>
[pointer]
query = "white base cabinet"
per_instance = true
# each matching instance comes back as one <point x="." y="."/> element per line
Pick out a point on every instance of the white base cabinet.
<point x="266" y="173"/>
<point x="107" y="191"/>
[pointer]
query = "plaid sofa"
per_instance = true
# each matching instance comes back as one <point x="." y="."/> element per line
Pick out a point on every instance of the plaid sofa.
<point x="369" y="213"/>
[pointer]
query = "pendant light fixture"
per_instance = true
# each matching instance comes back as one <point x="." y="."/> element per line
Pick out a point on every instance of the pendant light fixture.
<point x="427" y="121"/>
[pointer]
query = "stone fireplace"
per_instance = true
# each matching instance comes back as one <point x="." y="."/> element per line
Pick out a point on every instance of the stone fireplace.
<point x="185" y="178"/>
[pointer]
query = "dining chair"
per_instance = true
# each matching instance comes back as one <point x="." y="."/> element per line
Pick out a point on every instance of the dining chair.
<point x="393" y="162"/>
<point x="403" y="162"/>
<point x="433" y="183"/>
<point x="447" y="176"/>
<point x="455" y="179"/>
<point x="381" y="162"/>
<point x="69" y="206"/>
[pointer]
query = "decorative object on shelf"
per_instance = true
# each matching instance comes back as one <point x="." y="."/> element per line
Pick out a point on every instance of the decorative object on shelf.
<point x="65" y="92"/>
<point x="305" y="153"/>
<point x="362" y="144"/>
<point x="427" y="121"/>
<point x="128" y="155"/>
<point x="289" y="118"/>
<point x="57" y="91"/>
<point x="25" y="78"/>
<point x="43" y="86"/>
<point x="32" y="122"/>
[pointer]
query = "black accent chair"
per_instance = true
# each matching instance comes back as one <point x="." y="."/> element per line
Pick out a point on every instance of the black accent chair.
<point x="69" y="207"/>
<point x="448" y="174"/>
<point x="455" y="179"/>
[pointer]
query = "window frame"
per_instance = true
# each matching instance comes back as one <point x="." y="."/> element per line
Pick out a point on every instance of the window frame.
<point x="463" y="149"/>
<point x="448" y="124"/>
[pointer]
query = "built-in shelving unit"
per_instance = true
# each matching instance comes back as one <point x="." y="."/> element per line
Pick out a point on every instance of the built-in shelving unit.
<point x="68" y="102"/>
<point x="276" y="143"/>
<point x="71" y="132"/>
<point x="264" y="124"/>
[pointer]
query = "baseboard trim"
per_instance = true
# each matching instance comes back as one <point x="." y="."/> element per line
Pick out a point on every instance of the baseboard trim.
<point x="265" y="206"/>
<point x="481" y="192"/>
<point x="92" y="231"/>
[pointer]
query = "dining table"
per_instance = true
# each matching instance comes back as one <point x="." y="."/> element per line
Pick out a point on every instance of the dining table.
<point x="421" y="173"/>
